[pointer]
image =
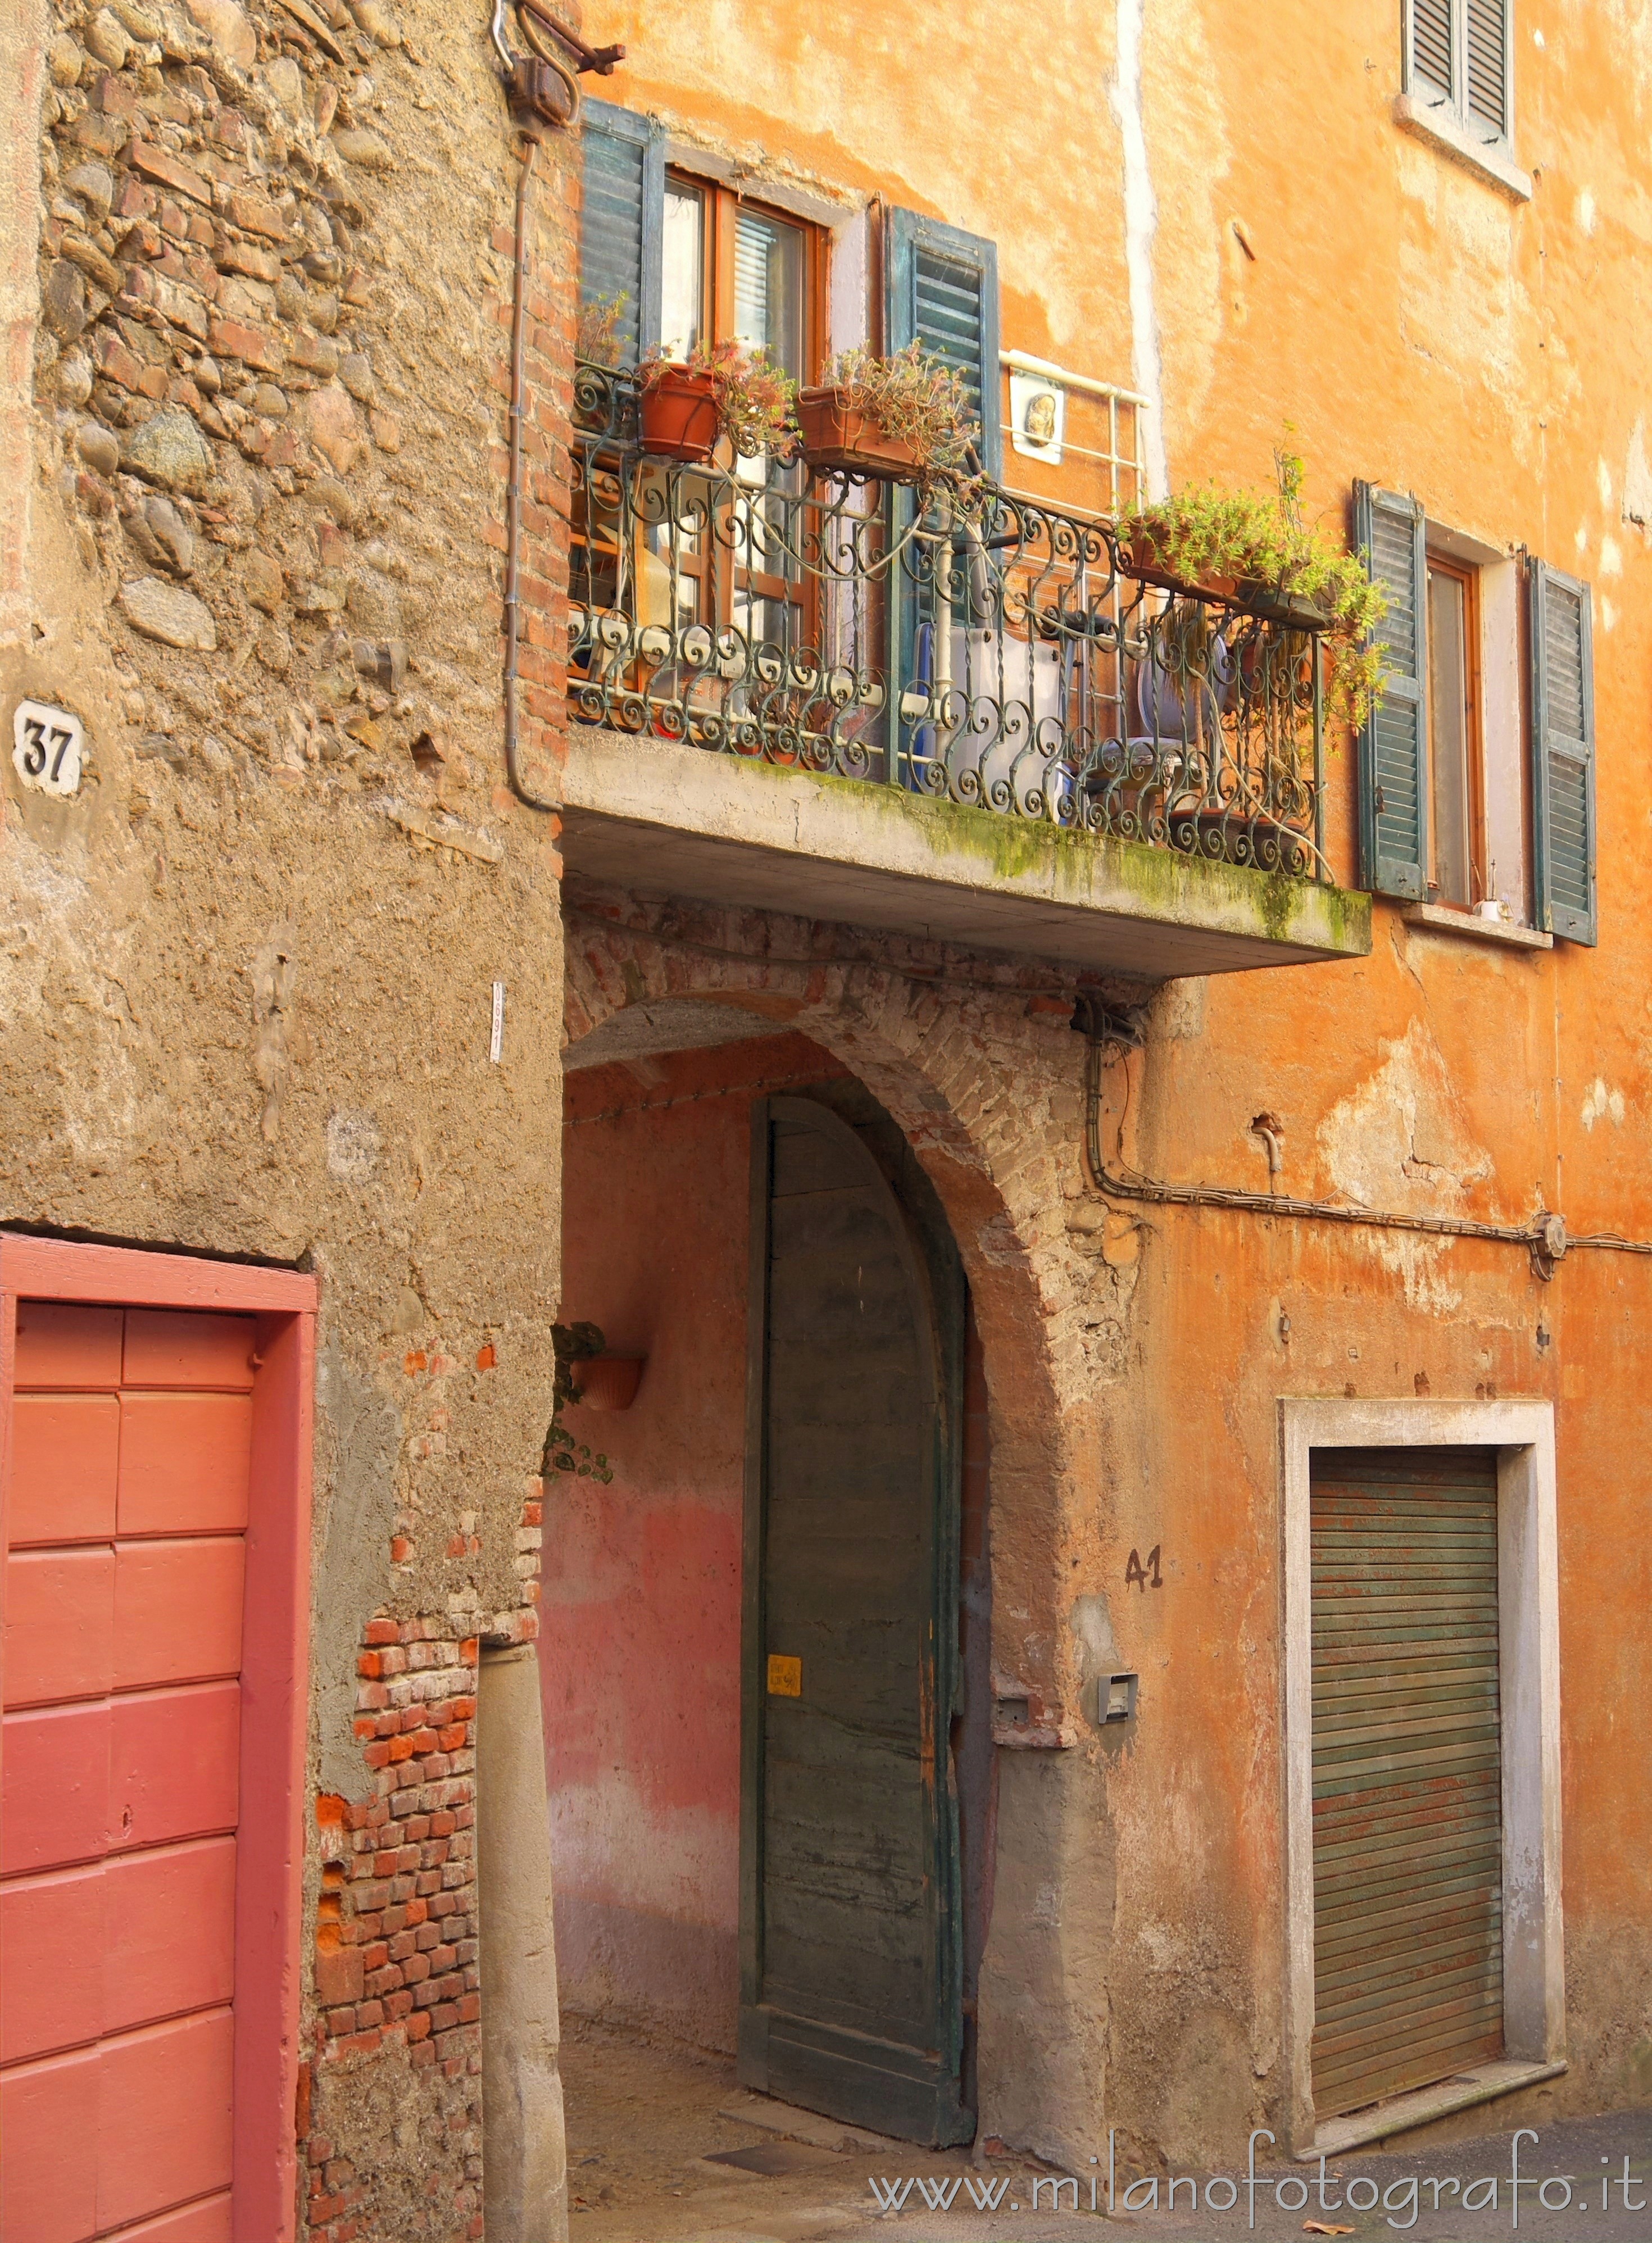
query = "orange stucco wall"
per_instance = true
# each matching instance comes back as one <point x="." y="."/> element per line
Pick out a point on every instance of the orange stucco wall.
<point x="1416" y="326"/>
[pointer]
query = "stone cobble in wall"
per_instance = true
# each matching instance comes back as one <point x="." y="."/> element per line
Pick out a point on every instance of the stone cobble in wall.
<point x="240" y="352"/>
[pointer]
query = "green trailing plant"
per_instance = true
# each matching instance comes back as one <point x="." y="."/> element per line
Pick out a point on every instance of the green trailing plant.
<point x="755" y="400"/>
<point x="918" y="401"/>
<point x="1262" y="541"/>
<point x="596" y="332"/>
<point x="572" y="1343"/>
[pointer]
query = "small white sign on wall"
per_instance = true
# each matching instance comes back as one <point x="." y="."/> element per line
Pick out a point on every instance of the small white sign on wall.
<point x="47" y="747"/>
<point x="1037" y="417"/>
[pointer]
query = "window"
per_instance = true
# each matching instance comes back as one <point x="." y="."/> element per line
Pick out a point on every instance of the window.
<point x="1457" y="58"/>
<point x="1456" y="772"/>
<point x="1460" y="753"/>
<point x="674" y="260"/>
<point x="730" y="269"/>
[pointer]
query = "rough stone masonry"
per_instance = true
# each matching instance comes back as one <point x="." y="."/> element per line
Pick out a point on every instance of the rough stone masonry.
<point x="259" y="258"/>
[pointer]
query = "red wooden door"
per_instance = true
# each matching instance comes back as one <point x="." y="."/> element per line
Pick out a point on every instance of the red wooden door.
<point x="123" y="1570"/>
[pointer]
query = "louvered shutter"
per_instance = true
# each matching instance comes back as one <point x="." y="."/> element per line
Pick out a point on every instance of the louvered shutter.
<point x="620" y="221"/>
<point x="1407" y="1771"/>
<point x="942" y="294"/>
<point x="1488" y="46"/>
<point x="941" y="291"/>
<point x="1433" y="55"/>
<point x="1393" y="742"/>
<point x="1563" y="752"/>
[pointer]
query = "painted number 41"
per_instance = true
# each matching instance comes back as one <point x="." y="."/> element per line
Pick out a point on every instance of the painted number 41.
<point x="46" y="747"/>
<point x="1144" y="1577"/>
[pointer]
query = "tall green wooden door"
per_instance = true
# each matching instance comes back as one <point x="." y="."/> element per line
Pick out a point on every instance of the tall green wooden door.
<point x="850" y="1936"/>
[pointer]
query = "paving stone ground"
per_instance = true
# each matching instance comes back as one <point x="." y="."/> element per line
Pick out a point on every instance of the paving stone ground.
<point x="645" y="2123"/>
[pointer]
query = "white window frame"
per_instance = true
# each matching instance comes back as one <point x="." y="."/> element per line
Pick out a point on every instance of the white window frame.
<point x="1447" y="120"/>
<point x="1529" y="1668"/>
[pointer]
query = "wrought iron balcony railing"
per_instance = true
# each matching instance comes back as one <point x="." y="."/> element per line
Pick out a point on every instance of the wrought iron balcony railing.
<point x="1011" y="660"/>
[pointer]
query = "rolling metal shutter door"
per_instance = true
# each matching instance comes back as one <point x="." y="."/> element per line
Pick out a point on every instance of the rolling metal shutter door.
<point x="1408" y="1783"/>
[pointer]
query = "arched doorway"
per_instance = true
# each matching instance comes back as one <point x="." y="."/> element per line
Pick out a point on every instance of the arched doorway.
<point x="796" y="1872"/>
<point x="851" y="1907"/>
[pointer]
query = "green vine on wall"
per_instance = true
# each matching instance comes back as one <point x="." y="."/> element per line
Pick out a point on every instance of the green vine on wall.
<point x="573" y="1344"/>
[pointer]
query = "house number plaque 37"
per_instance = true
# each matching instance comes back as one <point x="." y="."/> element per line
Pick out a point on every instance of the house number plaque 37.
<point x="47" y="743"/>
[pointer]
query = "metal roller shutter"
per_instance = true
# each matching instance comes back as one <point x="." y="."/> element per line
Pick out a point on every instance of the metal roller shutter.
<point x="1407" y="1784"/>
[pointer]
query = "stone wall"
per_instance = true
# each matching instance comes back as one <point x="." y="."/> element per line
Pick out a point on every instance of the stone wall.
<point x="260" y="261"/>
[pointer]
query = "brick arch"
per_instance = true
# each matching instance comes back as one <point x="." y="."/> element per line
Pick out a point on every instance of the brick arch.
<point x="982" y="1077"/>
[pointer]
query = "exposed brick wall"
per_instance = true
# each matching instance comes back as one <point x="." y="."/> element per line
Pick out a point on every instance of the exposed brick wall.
<point x="397" y="1964"/>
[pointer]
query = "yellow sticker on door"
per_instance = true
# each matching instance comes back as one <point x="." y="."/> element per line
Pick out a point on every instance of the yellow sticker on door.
<point x="785" y="1677"/>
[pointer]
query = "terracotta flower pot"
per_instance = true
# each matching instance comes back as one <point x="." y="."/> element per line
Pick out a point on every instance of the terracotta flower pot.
<point x="678" y="411"/>
<point x="840" y="438"/>
<point x="608" y="1382"/>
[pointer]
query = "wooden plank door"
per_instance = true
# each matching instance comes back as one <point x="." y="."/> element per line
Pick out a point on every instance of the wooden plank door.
<point x="850" y="1928"/>
<point x="124" y="1599"/>
<point x="1407" y="1771"/>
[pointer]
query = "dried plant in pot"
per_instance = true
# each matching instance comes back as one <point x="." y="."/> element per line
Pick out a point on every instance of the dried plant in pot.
<point x="1257" y="552"/>
<point x="907" y="419"/>
<point x="720" y="391"/>
<point x="597" y="333"/>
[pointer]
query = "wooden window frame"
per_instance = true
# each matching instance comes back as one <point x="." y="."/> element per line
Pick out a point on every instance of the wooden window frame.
<point x="1467" y="575"/>
<point x="720" y="206"/>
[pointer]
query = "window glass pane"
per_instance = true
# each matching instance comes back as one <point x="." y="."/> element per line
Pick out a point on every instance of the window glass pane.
<point x="768" y="288"/>
<point x="1449" y="735"/>
<point x="682" y="269"/>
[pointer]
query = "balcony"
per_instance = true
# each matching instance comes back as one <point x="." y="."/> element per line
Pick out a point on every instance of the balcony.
<point x="793" y="690"/>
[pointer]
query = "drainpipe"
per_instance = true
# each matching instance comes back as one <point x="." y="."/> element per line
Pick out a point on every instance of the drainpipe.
<point x="543" y="91"/>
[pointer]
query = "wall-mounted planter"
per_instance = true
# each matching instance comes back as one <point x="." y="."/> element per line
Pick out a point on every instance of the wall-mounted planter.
<point x="1142" y="560"/>
<point x="607" y="1382"/>
<point x="1277" y="607"/>
<point x="840" y="438"/>
<point x="678" y="414"/>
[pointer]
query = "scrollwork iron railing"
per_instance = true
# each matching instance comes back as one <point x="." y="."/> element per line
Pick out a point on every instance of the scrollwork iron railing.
<point x="761" y="609"/>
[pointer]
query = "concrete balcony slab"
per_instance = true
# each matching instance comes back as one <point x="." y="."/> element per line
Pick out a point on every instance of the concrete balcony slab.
<point x="652" y="815"/>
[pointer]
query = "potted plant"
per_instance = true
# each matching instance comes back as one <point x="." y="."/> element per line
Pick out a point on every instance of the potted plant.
<point x="597" y="332"/>
<point x="720" y="389"/>
<point x="1257" y="553"/>
<point x="905" y="418"/>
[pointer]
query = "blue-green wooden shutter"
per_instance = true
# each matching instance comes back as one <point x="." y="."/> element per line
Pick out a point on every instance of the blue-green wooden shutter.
<point x="621" y="220"/>
<point x="941" y="292"/>
<point x="1393" y="742"/>
<point x="1563" y="752"/>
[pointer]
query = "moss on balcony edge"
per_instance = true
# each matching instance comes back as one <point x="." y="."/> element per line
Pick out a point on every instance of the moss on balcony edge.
<point x="1057" y="863"/>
